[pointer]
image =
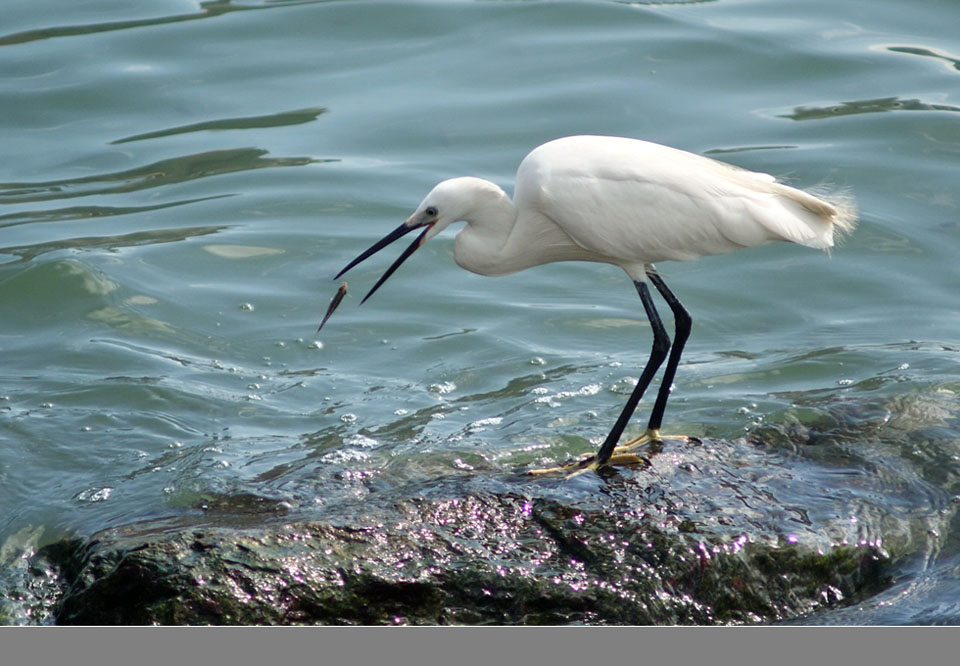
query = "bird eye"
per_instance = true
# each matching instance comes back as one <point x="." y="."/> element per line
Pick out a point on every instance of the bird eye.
<point x="431" y="211"/>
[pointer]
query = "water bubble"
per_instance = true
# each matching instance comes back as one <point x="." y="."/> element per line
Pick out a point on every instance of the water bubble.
<point x="548" y="400"/>
<point x="401" y="412"/>
<point x="348" y="418"/>
<point x="844" y="382"/>
<point x="246" y="307"/>
<point x="94" y="494"/>
<point x="624" y="385"/>
<point x="344" y="455"/>
<point x="361" y="441"/>
<point x="442" y="387"/>
<point x="483" y="423"/>
<point x="536" y="360"/>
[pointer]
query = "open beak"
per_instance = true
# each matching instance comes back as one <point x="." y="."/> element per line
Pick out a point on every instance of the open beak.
<point x="397" y="233"/>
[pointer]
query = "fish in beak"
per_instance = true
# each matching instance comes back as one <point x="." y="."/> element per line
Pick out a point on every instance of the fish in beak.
<point x="341" y="292"/>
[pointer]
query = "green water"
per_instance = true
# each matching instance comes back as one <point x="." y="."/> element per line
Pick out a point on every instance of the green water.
<point x="180" y="181"/>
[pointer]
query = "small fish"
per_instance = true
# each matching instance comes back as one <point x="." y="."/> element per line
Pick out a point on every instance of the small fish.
<point x="341" y="292"/>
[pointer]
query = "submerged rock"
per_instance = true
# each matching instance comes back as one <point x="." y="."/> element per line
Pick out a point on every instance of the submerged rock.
<point x="539" y="563"/>
<point x="632" y="547"/>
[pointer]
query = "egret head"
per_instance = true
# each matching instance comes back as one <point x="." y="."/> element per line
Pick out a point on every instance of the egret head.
<point x="449" y="201"/>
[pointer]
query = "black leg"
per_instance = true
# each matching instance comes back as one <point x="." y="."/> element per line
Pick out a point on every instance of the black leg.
<point x="661" y="345"/>
<point x="683" y="323"/>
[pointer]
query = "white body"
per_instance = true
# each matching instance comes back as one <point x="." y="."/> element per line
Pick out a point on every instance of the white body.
<point x="626" y="202"/>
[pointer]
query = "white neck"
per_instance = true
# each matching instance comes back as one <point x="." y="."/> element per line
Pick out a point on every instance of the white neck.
<point x="479" y="246"/>
<point x="500" y="238"/>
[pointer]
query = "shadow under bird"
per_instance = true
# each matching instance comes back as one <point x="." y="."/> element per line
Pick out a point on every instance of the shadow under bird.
<point x="625" y="202"/>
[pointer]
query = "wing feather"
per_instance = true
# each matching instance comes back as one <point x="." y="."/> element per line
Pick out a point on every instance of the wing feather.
<point x="636" y="201"/>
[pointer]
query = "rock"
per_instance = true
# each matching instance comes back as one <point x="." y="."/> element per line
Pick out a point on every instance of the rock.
<point x="681" y="542"/>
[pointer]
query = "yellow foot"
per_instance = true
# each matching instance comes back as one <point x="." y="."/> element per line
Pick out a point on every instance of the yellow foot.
<point x="589" y="463"/>
<point x="622" y="455"/>
<point x="651" y="436"/>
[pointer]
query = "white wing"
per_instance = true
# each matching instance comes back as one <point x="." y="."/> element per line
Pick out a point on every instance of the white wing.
<point x="639" y="202"/>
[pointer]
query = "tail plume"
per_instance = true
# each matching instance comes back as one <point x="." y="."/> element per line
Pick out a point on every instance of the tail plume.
<point x="843" y="213"/>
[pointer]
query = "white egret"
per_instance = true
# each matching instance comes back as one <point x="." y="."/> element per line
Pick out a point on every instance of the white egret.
<point x="625" y="202"/>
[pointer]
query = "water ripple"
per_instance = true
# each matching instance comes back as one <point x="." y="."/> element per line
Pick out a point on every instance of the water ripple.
<point x="281" y="119"/>
<point x="207" y="10"/>
<point x="157" y="174"/>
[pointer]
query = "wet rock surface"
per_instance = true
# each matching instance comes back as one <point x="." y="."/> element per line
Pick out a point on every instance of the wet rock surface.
<point x="620" y="548"/>
<point x="453" y="558"/>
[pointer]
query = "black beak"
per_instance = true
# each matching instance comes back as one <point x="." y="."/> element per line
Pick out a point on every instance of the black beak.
<point x="397" y="233"/>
